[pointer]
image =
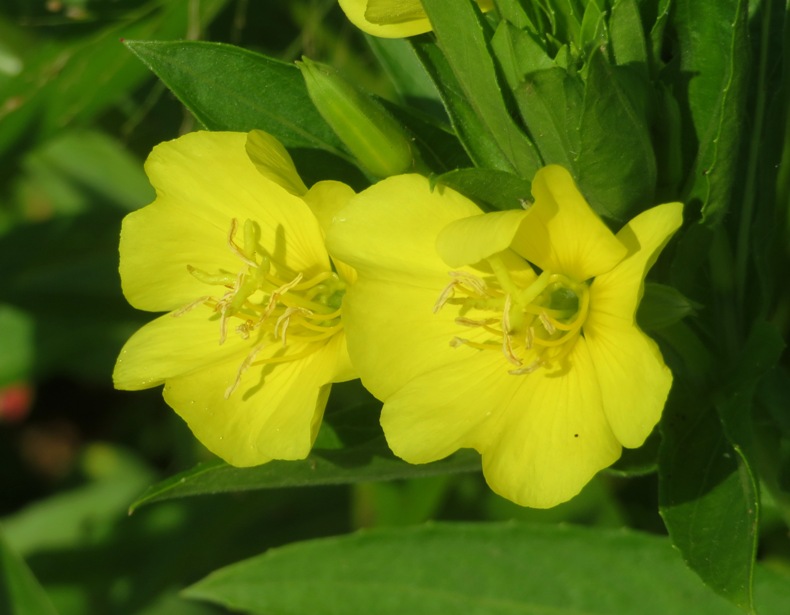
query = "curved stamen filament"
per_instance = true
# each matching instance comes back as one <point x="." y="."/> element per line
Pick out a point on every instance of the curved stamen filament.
<point x="538" y="324"/>
<point x="270" y="302"/>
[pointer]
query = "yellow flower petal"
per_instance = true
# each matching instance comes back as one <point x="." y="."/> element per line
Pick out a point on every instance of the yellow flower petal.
<point x="204" y="180"/>
<point x="440" y="411"/>
<point x="561" y="233"/>
<point x="157" y="244"/>
<point x="618" y="292"/>
<point x="470" y="240"/>
<point x="553" y="436"/>
<point x="326" y="199"/>
<point x="356" y="11"/>
<point x="172" y="346"/>
<point x="391" y="228"/>
<point x="273" y="414"/>
<point x="274" y="162"/>
<point x="393" y="334"/>
<point x="634" y="380"/>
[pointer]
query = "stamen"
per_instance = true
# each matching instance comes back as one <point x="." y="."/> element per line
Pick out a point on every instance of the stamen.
<point x="526" y="370"/>
<point x="217" y="279"/>
<point x="245" y="365"/>
<point x="445" y="295"/>
<point x="277" y="294"/>
<point x="191" y="306"/>
<point x="547" y="324"/>
<point x="478" y="285"/>
<point x="468" y="322"/>
<point x="529" y="339"/>
<point x="537" y="325"/>
<point x="285" y="319"/>
<point x="265" y="308"/>
<point x="236" y="250"/>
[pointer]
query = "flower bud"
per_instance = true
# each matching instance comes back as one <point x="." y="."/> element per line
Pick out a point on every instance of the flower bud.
<point x="379" y="143"/>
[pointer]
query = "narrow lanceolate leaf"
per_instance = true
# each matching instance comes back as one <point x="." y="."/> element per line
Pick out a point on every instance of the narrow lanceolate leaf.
<point x="462" y="38"/>
<point x="229" y="88"/>
<point x="481" y="147"/>
<point x="474" y="569"/>
<point x="714" y="60"/>
<point x="708" y="498"/>
<point x="371" y="461"/>
<point x="20" y="592"/>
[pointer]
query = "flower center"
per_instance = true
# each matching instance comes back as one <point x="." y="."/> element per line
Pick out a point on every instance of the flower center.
<point x="533" y="322"/>
<point x="267" y="303"/>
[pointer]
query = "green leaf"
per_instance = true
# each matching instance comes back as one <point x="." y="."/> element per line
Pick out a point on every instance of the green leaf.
<point x="594" y="32"/>
<point x="84" y="168"/>
<point x="714" y="60"/>
<point x="437" y="143"/>
<point x="493" y="190"/>
<point x="478" y="143"/>
<point x="475" y="569"/>
<point x="708" y="497"/>
<point x="519" y="53"/>
<point x="616" y="164"/>
<point x="61" y="521"/>
<point x="229" y="88"/>
<point x="371" y="461"/>
<point x="662" y="306"/>
<point x="69" y="84"/>
<point x="463" y="39"/>
<point x="551" y="102"/>
<point x="401" y="63"/>
<point x="627" y="34"/>
<point x="20" y="592"/>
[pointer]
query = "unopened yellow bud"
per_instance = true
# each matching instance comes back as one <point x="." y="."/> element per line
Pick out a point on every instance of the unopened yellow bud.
<point x="379" y="143"/>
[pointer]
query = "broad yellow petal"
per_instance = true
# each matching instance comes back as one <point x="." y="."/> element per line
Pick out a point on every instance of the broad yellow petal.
<point x="204" y="181"/>
<point x="356" y="11"/>
<point x="389" y="230"/>
<point x="634" y="380"/>
<point x="326" y="199"/>
<point x="561" y="233"/>
<point x="171" y="346"/>
<point x="337" y="354"/>
<point x="552" y="436"/>
<point x="274" y="413"/>
<point x="157" y="244"/>
<point x="470" y="240"/>
<point x="619" y="291"/>
<point x="394" y="335"/>
<point x="632" y="375"/>
<point x="449" y="408"/>
<point x="274" y="162"/>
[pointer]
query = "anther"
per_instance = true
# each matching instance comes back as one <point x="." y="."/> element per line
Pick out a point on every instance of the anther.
<point x="544" y="320"/>
<point x="191" y="306"/>
<point x="245" y="365"/>
<point x="274" y="299"/>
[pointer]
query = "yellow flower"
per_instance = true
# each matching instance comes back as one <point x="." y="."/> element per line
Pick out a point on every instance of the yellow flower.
<point x="233" y="249"/>
<point x="392" y="18"/>
<point x="528" y="351"/>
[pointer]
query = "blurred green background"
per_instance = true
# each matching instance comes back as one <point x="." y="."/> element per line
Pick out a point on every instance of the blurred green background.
<point x="78" y="115"/>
